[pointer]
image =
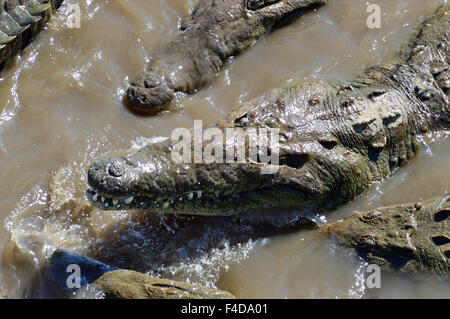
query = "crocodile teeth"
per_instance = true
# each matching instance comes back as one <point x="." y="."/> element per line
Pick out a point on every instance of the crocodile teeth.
<point x="128" y="200"/>
<point x="115" y="202"/>
<point x="95" y="198"/>
<point x="190" y="196"/>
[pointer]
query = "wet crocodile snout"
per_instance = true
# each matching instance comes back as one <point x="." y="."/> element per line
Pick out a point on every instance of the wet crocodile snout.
<point x="107" y="175"/>
<point x="149" y="92"/>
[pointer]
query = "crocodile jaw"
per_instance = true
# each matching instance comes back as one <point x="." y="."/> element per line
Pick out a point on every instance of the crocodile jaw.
<point x="149" y="180"/>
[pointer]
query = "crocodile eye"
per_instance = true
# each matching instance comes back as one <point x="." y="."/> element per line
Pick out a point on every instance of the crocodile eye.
<point x="254" y="4"/>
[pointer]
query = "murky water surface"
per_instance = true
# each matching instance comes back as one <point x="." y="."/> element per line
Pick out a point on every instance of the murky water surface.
<point x="60" y="109"/>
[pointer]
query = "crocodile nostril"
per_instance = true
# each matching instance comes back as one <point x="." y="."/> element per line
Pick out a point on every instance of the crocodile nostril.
<point x="151" y="82"/>
<point x="115" y="170"/>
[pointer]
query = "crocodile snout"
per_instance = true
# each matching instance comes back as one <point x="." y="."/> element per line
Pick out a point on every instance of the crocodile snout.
<point x="107" y="175"/>
<point x="149" y="92"/>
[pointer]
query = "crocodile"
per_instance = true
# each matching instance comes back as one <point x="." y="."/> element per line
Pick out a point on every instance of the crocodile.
<point x="50" y="276"/>
<point x="20" y="23"/>
<point x="129" y="284"/>
<point x="335" y="140"/>
<point x="411" y="238"/>
<point x="213" y="32"/>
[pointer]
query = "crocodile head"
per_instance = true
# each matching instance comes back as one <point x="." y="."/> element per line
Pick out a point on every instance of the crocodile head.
<point x="313" y="167"/>
<point x="214" y="31"/>
<point x="150" y="180"/>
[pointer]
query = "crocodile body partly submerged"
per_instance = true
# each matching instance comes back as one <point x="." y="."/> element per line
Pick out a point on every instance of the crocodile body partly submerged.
<point x="96" y="279"/>
<point x="412" y="238"/>
<point x="335" y="140"/>
<point x="20" y="22"/>
<point x="213" y="32"/>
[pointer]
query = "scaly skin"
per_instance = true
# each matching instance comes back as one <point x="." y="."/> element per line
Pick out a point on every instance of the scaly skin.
<point x="113" y="282"/>
<point x="335" y="140"/>
<point x="411" y="238"/>
<point x="213" y="32"/>
<point x="128" y="284"/>
<point x="28" y="27"/>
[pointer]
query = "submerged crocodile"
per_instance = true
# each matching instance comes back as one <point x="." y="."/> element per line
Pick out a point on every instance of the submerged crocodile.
<point x="20" y="22"/>
<point x="335" y="140"/>
<point x="28" y="254"/>
<point x="411" y="238"/>
<point x="213" y="32"/>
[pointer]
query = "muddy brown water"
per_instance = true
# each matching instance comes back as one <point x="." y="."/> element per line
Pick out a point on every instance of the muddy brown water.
<point x="60" y="109"/>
